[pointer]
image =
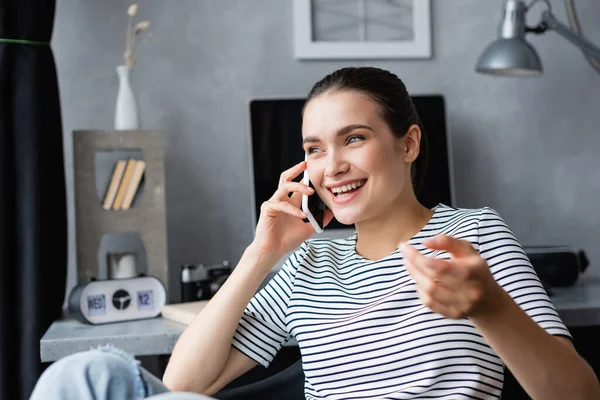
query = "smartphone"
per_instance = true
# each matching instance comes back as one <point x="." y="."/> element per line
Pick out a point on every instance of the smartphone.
<point x="313" y="206"/>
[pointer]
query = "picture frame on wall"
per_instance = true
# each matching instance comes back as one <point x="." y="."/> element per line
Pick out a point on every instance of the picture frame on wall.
<point x="362" y="29"/>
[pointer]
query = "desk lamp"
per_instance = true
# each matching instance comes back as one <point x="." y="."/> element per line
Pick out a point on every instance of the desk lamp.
<point x="511" y="55"/>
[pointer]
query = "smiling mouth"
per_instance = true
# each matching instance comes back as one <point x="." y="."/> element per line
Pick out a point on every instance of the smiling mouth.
<point x="340" y="191"/>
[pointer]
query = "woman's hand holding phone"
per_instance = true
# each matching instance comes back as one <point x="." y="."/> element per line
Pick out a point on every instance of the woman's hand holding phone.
<point x="280" y="227"/>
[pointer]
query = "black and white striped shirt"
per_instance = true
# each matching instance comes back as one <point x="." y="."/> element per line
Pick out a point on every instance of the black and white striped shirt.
<point x="364" y="334"/>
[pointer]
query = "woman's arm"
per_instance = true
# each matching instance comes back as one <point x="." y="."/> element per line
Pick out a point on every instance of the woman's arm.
<point x="463" y="287"/>
<point x="203" y="359"/>
<point x="546" y="366"/>
<point x="202" y="352"/>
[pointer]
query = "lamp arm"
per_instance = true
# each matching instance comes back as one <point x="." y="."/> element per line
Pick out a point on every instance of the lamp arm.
<point x="552" y="23"/>
<point x="574" y="24"/>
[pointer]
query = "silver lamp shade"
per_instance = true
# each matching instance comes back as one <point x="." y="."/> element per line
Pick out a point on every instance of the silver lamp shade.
<point x="512" y="56"/>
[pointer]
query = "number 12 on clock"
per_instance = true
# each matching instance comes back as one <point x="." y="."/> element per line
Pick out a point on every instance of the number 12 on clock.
<point x="145" y="300"/>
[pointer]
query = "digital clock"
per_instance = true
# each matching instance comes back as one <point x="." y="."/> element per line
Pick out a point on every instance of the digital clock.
<point x="115" y="300"/>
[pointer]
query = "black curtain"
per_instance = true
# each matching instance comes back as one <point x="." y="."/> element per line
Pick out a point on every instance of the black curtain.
<point x="33" y="221"/>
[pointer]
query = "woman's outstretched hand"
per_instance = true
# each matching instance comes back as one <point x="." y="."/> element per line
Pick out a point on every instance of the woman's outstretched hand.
<point x="280" y="228"/>
<point x="461" y="287"/>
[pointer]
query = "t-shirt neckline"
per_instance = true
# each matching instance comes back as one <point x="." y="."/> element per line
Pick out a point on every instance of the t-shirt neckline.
<point x="353" y="239"/>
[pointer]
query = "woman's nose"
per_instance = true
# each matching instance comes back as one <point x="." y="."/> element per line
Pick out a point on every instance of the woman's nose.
<point x="336" y="165"/>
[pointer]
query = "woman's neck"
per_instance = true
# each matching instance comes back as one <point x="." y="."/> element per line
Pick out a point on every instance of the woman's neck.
<point x="380" y="236"/>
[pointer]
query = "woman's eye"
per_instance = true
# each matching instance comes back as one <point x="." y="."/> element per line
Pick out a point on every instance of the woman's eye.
<point x="355" y="138"/>
<point x="312" y="150"/>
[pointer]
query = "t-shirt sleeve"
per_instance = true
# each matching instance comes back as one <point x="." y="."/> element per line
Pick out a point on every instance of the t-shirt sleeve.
<point x="513" y="270"/>
<point x="262" y="330"/>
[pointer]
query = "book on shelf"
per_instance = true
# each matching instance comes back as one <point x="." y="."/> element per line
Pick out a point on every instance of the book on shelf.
<point x="134" y="184"/>
<point x="113" y="184"/>
<point x="124" y="184"/>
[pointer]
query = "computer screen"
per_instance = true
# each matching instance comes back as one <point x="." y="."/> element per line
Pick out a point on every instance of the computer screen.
<point x="276" y="138"/>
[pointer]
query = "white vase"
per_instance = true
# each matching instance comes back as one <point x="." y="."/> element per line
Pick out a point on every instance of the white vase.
<point x="126" y="114"/>
<point x="122" y="265"/>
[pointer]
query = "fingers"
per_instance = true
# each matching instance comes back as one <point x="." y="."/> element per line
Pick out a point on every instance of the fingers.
<point x="289" y="187"/>
<point x="447" y="311"/>
<point x="296" y="199"/>
<point x="432" y="293"/>
<point x="455" y="303"/>
<point x="453" y="288"/>
<point x="435" y="295"/>
<point x="450" y="273"/>
<point x="273" y="207"/>
<point x="433" y="268"/>
<point x="454" y="246"/>
<point x="289" y="174"/>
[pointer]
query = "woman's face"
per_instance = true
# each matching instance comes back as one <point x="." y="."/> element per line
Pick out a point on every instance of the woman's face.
<point x="358" y="167"/>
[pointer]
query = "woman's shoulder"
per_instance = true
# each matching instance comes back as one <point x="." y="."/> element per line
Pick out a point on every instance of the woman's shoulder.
<point x="445" y="211"/>
<point x="458" y="219"/>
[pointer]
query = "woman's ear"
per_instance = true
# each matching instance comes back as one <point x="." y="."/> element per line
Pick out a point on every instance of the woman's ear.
<point x="412" y="143"/>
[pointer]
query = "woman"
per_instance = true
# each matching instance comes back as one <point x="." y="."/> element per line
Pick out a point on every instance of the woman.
<point x="418" y="303"/>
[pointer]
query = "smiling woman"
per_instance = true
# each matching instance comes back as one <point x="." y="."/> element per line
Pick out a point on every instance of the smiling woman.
<point x="438" y="317"/>
<point x="374" y="96"/>
<point x="417" y="303"/>
<point x="351" y="141"/>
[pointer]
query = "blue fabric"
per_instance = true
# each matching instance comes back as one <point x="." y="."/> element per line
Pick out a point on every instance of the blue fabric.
<point x="105" y="373"/>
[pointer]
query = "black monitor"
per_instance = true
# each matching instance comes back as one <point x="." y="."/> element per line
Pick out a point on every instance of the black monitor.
<point x="276" y="142"/>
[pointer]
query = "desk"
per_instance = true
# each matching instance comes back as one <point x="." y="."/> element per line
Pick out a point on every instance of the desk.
<point x="156" y="336"/>
<point x="578" y="306"/>
<point x="143" y="337"/>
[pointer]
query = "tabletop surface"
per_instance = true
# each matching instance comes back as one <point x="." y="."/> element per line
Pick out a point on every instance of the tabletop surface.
<point x="578" y="305"/>
<point x="154" y="336"/>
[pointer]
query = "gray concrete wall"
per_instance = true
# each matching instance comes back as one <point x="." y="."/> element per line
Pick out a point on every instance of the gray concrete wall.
<point x="526" y="147"/>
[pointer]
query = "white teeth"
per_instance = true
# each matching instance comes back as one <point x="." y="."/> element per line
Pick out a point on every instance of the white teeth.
<point x="345" y="188"/>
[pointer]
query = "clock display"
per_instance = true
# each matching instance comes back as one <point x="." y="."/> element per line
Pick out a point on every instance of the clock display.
<point x="96" y="304"/>
<point x="145" y="300"/>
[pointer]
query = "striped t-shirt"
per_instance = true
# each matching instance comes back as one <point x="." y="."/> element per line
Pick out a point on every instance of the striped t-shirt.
<point x="364" y="334"/>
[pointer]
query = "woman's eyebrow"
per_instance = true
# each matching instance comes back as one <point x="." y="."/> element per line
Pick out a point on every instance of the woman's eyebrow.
<point x="341" y="132"/>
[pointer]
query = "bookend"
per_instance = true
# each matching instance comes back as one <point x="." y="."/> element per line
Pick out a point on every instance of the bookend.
<point x="102" y="231"/>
